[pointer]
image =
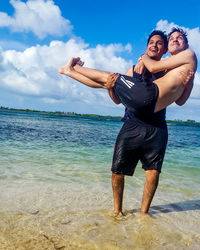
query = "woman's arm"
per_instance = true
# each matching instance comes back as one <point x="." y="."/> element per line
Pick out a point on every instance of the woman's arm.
<point x="184" y="57"/>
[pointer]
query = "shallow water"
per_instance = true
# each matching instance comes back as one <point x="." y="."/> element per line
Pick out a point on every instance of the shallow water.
<point x="56" y="191"/>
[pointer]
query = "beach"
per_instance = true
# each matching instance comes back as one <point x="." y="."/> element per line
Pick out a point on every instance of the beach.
<point x="56" y="189"/>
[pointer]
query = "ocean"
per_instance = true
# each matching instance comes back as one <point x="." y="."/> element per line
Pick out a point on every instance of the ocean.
<point x="55" y="183"/>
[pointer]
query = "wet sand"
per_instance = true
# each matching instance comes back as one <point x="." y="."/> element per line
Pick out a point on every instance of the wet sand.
<point x="58" y="229"/>
<point x="37" y="215"/>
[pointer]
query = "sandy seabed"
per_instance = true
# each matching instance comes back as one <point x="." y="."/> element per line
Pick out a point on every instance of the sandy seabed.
<point x="99" y="229"/>
<point x="44" y="216"/>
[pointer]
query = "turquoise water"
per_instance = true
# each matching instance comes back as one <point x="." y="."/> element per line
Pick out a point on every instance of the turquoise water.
<point x="55" y="165"/>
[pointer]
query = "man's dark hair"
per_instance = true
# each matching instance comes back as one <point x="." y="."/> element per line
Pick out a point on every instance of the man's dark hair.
<point x="161" y="34"/>
<point x="184" y="34"/>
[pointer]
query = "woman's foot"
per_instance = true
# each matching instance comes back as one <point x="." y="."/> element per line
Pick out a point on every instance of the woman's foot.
<point x="66" y="69"/>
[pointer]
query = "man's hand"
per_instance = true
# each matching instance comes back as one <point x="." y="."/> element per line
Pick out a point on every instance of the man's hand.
<point x="112" y="78"/>
<point x="139" y="67"/>
<point x="186" y="77"/>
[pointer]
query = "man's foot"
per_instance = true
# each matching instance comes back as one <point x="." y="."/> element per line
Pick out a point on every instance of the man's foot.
<point x="119" y="214"/>
<point x="66" y="69"/>
<point x="146" y="215"/>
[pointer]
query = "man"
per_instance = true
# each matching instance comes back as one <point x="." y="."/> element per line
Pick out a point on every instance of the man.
<point x="143" y="138"/>
<point x="177" y="43"/>
<point x="131" y="145"/>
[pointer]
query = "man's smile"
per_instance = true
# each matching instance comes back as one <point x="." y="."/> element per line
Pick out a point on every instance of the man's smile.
<point x="153" y="50"/>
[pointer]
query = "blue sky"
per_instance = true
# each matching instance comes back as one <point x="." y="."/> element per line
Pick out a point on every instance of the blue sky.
<point x="38" y="36"/>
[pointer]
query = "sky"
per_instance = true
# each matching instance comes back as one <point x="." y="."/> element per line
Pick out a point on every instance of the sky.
<point x="39" y="36"/>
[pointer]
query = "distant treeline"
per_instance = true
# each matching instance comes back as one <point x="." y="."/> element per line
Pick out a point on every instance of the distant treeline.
<point x="188" y="121"/>
<point x="59" y="113"/>
<point x="86" y="115"/>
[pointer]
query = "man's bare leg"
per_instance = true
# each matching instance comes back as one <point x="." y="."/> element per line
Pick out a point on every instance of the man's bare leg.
<point x="98" y="76"/>
<point x="118" y="189"/>
<point x="150" y="186"/>
<point x="69" y="70"/>
<point x="93" y="74"/>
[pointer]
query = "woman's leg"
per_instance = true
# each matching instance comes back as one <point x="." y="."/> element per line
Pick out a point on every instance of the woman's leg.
<point x="96" y="75"/>
<point x="84" y="75"/>
<point x="100" y="77"/>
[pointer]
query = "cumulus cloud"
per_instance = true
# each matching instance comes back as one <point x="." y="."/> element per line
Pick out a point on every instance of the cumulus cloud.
<point x="34" y="71"/>
<point x="38" y="16"/>
<point x="193" y="34"/>
<point x="196" y="89"/>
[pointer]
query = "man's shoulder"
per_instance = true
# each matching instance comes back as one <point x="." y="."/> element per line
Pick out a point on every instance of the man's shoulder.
<point x="188" y="52"/>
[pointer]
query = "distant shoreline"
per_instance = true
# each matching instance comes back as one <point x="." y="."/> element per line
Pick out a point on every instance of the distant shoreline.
<point x="83" y="115"/>
<point x="59" y="113"/>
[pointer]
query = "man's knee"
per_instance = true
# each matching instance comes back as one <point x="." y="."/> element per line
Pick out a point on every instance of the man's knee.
<point x="117" y="178"/>
<point x="152" y="175"/>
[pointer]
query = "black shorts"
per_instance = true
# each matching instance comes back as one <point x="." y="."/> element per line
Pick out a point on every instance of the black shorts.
<point x="136" y="142"/>
<point x="137" y="94"/>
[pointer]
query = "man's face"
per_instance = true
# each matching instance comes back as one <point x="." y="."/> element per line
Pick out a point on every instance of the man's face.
<point x="176" y="43"/>
<point x="155" y="48"/>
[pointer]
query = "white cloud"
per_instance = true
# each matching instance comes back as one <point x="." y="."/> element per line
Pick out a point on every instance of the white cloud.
<point x="34" y="71"/>
<point x="196" y="89"/>
<point x="192" y="34"/>
<point x="38" y="16"/>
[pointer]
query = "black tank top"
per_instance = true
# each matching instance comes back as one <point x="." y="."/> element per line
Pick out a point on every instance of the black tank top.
<point x="157" y="119"/>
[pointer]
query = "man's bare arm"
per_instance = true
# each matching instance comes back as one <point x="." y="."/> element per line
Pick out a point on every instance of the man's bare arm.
<point x="113" y="96"/>
<point x="184" y="57"/>
<point x="111" y="80"/>
<point x="187" y="79"/>
<point x="130" y="72"/>
<point x="186" y="93"/>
